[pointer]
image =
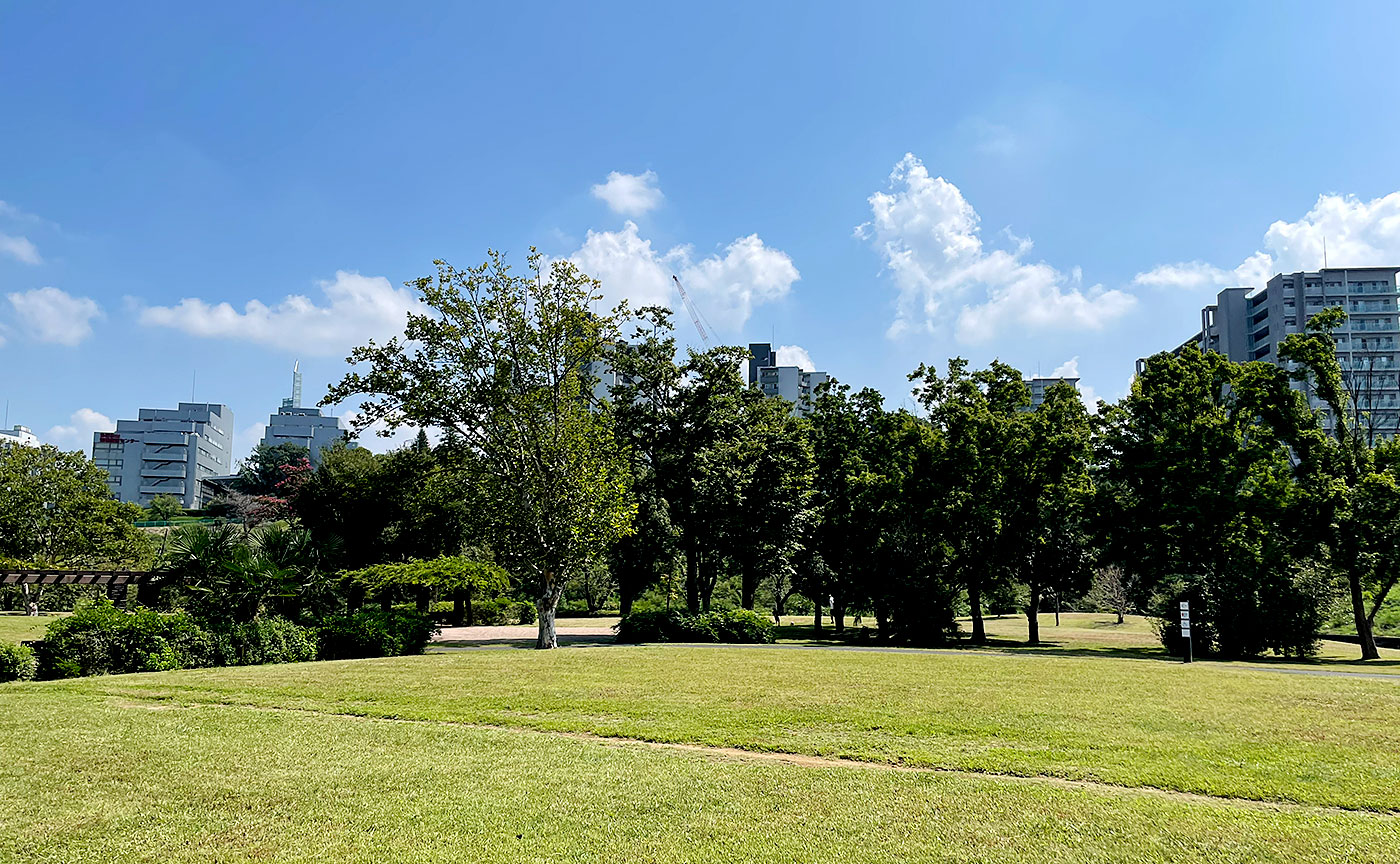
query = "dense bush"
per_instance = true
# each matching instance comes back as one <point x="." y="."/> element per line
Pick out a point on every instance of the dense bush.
<point x="17" y="663"/>
<point x="267" y="640"/>
<point x="1245" y="615"/>
<point x="503" y="610"/>
<point x="673" y="625"/>
<point x="374" y="633"/>
<point x="99" y="639"/>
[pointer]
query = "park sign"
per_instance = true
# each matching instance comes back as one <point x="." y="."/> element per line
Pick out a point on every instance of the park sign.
<point x="1186" y="627"/>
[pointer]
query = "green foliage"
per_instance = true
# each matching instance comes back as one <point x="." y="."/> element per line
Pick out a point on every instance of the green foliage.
<point x="497" y="611"/>
<point x="17" y="662"/>
<point x="100" y="639"/>
<point x="225" y="575"/>
<point x="164" y="508"/>
<point x="262" y="472"/>
<point x="373" y="633"/>
<point x="673" y="625"/>
<point x="444" y="574"/>
<point x="56" y="510"/>
<point x="267" y="640"/>
<point x="501" y="363"/>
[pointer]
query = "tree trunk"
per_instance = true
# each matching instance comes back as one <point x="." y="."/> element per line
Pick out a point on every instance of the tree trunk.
<point x="31" y="600"/>
<point x="748" y="587"/>
<point x="974" y="600"/>
<point x="1057" y="608"/>
<point x="1033" y="617"/>
<point x="838" y="617"/>
<point x="459" y="607"/>
<point x="624" y="596"/>
<point x="1120" y="614"/>
<point x="817" y="614"/>
<point x="1363" y="623"/>
<point x="546" y="605"/>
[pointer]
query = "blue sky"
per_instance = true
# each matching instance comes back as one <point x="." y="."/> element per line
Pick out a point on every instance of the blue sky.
<point x="874" y="185"/>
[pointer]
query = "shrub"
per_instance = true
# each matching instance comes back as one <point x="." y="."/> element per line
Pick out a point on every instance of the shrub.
<point x="374" y="633"/>
<point x="267" y="640"/>
<point x="503" y="610"/>
<point x="743" y="625"/>
<point x="673" y="625"/>
<point x="100" y="639"/>
<point x="17" y="662"/>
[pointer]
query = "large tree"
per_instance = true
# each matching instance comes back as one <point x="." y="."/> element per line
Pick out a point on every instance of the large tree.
<point x="56" y="511"/>
<point x="1350" y="475"/>
<point x="503" y="362"/>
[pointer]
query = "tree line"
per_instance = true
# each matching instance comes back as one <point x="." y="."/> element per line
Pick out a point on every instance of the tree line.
<point x="1211" y="481"/>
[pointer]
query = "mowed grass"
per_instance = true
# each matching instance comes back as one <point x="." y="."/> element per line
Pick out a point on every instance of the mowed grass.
<point x="1210" y="729"/>
<point x="91" y="779"/>
<point x="17" y="628"/>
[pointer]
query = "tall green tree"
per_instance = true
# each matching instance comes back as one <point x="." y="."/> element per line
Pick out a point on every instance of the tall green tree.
<point x="977" y="417"/>
<point x="1354" y="494"/>
<point x="1197" y="499"/>
<point x="502" y="360"/>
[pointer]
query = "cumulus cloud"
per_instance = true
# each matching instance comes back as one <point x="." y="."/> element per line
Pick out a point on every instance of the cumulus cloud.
<point x="77" y="434"/>
<point x="795" y="355"/>
<point x="52" y="315"/>
<point x="629" y="194"/>
<point x="928" y="236"/>
<point x="353" y="309"/>
<point x="19" y="248"/>
<point x="726" y="287"/>
<point x="1357" y="234"/>
<point x="1067" y="369"/>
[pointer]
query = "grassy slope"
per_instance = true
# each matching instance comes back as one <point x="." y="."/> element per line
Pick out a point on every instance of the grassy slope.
<point x="1209" y="729"/>
<point x="86" y="779"/>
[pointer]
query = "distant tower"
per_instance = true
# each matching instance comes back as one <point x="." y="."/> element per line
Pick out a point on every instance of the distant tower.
<point x="295" y="401"/>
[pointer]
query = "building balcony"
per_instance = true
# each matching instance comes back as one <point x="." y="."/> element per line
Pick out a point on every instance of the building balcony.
<point x="176" y="489"/>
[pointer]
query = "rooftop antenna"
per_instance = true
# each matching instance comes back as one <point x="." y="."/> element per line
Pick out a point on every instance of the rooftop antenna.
<point x="1324" y="251"/>
<point x="194" y="375"/>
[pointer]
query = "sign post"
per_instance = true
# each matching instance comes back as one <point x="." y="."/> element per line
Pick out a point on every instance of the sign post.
<point x="1186" y="627"/>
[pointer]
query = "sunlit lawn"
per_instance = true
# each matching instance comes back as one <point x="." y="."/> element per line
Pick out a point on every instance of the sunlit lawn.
<point x="190" y="766"/>
<point x="17" y="628"/>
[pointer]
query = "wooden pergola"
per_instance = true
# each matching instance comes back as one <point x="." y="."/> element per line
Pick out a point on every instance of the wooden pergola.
<point x="116" y="581"/>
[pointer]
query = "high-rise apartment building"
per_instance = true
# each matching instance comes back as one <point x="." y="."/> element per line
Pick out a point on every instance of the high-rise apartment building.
<point x="790" y="382"/>
<point x="1248" y="324"/>
<point x="167" y="452"/>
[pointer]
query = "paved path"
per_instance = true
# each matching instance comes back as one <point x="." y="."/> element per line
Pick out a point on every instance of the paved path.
<point x="471" y="638"/>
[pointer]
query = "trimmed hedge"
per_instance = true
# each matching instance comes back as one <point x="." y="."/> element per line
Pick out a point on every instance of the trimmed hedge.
<point x="100" y="639"/>
<point x="374" y="633"/>
<point x="267" y="640"/>
<point x="673" y="625"/>
<point x="17" y="662"/>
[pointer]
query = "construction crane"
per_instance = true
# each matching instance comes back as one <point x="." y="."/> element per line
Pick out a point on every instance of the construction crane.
<point x="695" y="315"/>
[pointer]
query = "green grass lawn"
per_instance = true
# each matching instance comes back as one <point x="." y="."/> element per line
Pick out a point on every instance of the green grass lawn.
<point x="192" y="766"/>
<point x="16" y="627"/>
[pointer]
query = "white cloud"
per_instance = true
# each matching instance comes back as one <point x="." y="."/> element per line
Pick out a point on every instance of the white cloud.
<point x="245" y="439"/>
<point x="1067" y="369"/>
<point x="726" y="288"/>
<point x="19" y="248"/>
<point x="53" y="315"/>
<point x="795" y="355"/>
<point x="355" y="309"/>
<point x="77" y="435"/>
<point x="629" y="194"/>
<point x="1357" y="234"/>
<point x="928" y="237"/>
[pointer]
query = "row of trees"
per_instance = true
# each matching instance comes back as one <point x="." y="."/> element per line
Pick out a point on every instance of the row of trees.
<point x="1212" y="481"/>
